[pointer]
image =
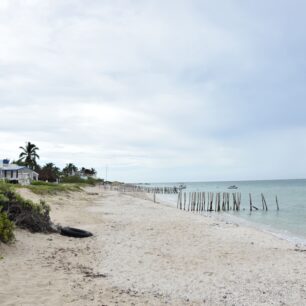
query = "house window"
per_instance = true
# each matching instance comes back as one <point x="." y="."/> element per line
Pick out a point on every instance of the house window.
<point x="17" y="174"/>
<point x="5" y="171"/>
<point x="12" y="174"/>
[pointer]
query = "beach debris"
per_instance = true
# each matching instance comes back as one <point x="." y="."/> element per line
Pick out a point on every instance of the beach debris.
<point x="92" y="193"/>
<point x="94" y="275"/>
<point x="300" y="250"/>
<point x="74" y="232"/>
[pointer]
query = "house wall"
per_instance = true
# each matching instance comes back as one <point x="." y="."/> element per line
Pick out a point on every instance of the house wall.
<point x="24" y="175"/>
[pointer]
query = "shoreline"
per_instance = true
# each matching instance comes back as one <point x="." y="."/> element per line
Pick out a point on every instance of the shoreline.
<point x="228" y="217"/>
<point x="148" y="253"/>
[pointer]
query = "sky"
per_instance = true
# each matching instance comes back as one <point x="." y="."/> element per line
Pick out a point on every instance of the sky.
<point x="157" y="91"/>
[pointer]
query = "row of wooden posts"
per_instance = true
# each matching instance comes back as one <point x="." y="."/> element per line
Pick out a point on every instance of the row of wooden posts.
<point x="210" y="201"/>
<point x="198" y="201"/>
<point x="136" y="188"/>
<point x="158" y="190"/>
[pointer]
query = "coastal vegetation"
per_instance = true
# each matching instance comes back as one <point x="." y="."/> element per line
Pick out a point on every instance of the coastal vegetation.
<point x="50" y="172"/>
<point x="44" y="188"/>
<point x="17" y="211"/>
<point x="6" y="228"/>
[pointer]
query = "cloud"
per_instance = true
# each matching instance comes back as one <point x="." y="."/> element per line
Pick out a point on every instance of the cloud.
<point x="176" y="90"/>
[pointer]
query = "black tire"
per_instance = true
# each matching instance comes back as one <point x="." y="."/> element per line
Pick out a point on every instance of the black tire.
<point x="75" y="232"/>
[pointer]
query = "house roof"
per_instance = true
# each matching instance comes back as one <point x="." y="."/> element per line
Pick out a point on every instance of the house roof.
<point x="14" y="167"/>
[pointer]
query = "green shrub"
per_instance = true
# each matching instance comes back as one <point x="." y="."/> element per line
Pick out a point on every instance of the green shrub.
<point x="53" y="188"/>
<point x="73" y="179"/>
<point x="6" y="228"/>
<point x="78" y="180"/>
<point x="3" y="199"/>
<point x="24" y="213"/>
<point x="42" y="183"/>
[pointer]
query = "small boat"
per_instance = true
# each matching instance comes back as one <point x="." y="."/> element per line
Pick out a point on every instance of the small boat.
<point x="232" y="187"/>
<point x="182" y="186"/>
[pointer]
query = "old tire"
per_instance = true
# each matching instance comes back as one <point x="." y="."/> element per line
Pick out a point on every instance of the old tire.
<point x="74" y="232"/>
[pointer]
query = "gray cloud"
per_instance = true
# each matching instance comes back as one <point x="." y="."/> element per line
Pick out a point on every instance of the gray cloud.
<point x="175" y="90"/>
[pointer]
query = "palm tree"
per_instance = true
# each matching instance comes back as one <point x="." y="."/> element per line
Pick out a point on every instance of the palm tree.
<point x="70" y="169"/>
<point x="88" y="172"/>
<point x="29" y="154"/>
<point x="93" y="171"/>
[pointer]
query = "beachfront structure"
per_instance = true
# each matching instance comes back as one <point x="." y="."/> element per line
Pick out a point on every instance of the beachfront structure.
<point x="16" y="174"/>
<point x="87" y="176"/>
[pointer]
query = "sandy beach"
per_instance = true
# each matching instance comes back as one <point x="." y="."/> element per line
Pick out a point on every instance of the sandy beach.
<point x="145" y="253"/>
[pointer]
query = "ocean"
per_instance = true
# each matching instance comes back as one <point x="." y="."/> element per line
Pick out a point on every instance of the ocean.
<point x="289" y="222"/>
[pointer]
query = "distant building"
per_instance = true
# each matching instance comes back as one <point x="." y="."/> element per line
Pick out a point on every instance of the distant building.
<point x="16" y="174"/>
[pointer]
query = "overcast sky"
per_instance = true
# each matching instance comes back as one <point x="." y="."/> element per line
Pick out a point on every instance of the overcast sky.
<point x="162" y="90"/>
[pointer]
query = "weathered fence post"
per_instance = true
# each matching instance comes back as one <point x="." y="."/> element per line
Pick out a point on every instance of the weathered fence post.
<point x="264" y="203"/>
<point x="276" y="203"/>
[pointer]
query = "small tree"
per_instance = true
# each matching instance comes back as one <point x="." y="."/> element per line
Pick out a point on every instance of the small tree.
<point x="49" y="172"/>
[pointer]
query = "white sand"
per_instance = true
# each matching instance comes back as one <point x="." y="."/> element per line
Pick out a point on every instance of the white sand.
<point x="148" y="254"/>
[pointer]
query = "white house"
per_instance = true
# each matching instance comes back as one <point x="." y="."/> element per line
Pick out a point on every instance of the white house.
<point x="16" y="174"/>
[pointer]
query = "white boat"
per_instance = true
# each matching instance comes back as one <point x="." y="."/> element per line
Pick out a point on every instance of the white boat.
<point x="232" y="187"/>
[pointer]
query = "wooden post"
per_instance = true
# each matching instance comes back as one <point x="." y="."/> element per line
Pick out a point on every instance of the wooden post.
<point x="234" y="201"/>
<point x="223" y="201"/>
<point x="198" y="201"/>
<point x="218" y="201"/>
<point x="276" y="203"/>
<point x="154" y="198"/>
<point x="264" y="203"/>
<point x="251" y="205"/>
<point x="192" y="196"/>
<point x="211" y="201"/>
<point x="239" y="200"/>
<point x="204" y="198"/>
<point x="184" y="200"/>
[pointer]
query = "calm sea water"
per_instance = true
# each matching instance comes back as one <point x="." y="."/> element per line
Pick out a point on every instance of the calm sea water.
<point x="289" y="221"/>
